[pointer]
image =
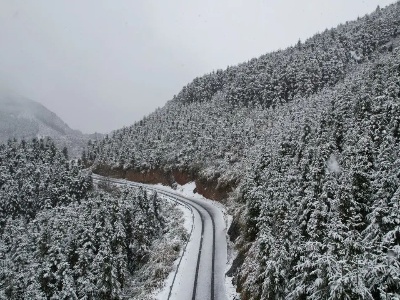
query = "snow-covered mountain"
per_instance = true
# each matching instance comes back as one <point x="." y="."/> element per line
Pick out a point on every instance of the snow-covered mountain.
<point x="303" y="145"/>
<point x="22" y="118"/>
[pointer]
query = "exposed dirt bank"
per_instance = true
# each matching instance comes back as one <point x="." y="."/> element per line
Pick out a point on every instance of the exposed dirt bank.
<point x="210" y="189"/>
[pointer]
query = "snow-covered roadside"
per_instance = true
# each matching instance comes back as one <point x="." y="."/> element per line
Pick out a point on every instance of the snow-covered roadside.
<point x="184" y="273"/>
<point x="187" y="191"/>
<point x="230" y="288"/>
<point x="153" y="280"/>
<point x="163" y="293"/>
<point x="163" y="255"/>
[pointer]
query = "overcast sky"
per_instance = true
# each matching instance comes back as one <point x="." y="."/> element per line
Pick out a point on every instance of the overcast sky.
<point x="100" y="65"/>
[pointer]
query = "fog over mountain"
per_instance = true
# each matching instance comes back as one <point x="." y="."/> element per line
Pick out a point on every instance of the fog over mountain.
<point x="22" y="118"/>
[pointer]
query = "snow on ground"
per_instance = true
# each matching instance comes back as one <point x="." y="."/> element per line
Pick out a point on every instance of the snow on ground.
<point x="187" y="214"/>
<point x="162" y="294"/>
<point x="186" y="270"/>
<point x="188" y="254"/>
<point x="230" y="288"/>
<point x="187" y="191"/>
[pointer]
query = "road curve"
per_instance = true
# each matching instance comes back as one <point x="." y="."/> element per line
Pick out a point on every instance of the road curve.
<point x="201" y="271"/>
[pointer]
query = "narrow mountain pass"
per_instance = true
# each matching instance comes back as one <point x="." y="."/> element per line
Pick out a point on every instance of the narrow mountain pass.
<point x="200" y="273"/>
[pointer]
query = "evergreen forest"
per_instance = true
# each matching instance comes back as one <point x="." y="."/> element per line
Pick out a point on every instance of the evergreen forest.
<point x="60" y="238"/>
<point x="304" y="146"/>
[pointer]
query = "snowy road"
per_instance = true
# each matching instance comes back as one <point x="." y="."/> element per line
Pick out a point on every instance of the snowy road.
<point x="201" y="273"/>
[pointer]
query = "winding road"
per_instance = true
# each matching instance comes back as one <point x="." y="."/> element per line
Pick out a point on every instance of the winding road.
<point x="200" y="274"/>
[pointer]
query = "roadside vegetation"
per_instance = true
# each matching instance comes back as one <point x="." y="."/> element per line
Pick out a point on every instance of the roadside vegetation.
<point x="63" y="238"/>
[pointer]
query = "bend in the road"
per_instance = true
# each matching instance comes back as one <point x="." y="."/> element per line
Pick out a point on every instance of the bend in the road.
<point x="193" y="203"/>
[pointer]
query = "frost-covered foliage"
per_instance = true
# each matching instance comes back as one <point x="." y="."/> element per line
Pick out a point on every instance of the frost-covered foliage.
<point x="302" y="70"/>
<point x="83" y="249"/>
<point x="323" y="199"/>
<point x="210" y="126"/>
<point x="312" y="133"/>
<point x="60" y="239"/>
<point x="161" y="255"/>
<point x="35" y="175"/>
<point x="192" y="136"/>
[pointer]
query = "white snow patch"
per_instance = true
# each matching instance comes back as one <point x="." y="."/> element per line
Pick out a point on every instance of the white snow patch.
<point x="162" y="294"/>
<point x="355" y="56"/>
<point x="187" y="190"/>
<point x="333" y="165"/>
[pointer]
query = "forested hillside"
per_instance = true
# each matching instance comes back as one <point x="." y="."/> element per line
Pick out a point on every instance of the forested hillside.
<point x="323" y="198"/>
<point x="211" y="122"/>
<point x="304" y="69"/>
<point x="307" y="140"/>
<point x="36" y="175"/>
<point x="62" y="239"/>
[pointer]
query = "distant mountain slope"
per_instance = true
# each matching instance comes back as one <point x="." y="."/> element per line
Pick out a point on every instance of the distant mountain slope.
<point x="22" y="118"/>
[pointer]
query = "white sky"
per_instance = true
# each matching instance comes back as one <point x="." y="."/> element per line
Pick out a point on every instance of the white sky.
<point x="101" y="65"/>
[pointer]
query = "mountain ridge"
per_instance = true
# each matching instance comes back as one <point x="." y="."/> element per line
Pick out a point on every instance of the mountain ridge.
<point x="22" y="118"/>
